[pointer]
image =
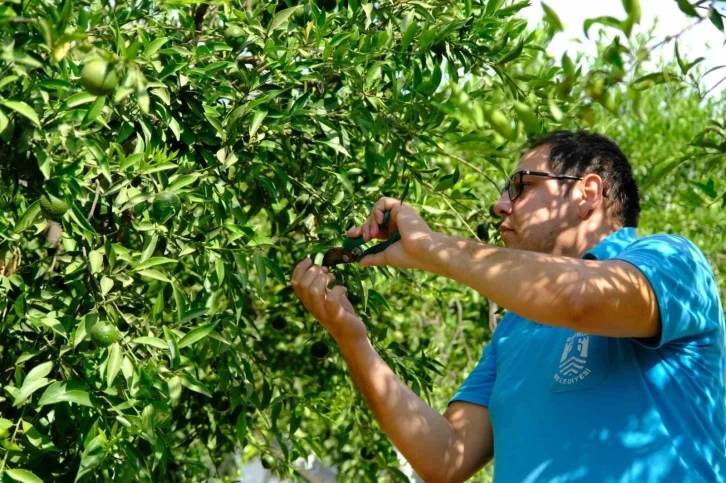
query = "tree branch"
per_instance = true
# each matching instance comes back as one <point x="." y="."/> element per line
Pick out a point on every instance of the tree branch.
<point x="199" y="16"/>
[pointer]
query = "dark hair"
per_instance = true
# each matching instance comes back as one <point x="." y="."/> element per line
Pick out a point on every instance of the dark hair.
<point x="582" y="153"/>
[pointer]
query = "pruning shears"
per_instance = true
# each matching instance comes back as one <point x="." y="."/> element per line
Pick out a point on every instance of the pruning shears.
<point x="352" y="251"/>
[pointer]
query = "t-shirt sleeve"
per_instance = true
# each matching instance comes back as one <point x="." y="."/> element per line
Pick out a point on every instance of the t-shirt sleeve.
<point x="683" y="283"/>
<point x="477" y="387"/>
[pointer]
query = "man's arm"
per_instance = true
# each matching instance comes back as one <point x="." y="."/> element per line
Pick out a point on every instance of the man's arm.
<point x="448" y="448"/>
<point x="610" y="298"/>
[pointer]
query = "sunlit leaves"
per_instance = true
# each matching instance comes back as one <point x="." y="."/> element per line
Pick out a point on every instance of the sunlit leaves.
<point x="276" y="140"/>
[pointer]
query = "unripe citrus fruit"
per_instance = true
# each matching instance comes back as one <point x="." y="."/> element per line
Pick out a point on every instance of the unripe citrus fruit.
<point x="53" y="208"/>
<point x="234" y="35"/>
<point x="99" y="78"/>
<point x="165" y="205"/>
<point x="528" y="118"/>
<point x="500" y="123"/>
<point x="104" y="334"/>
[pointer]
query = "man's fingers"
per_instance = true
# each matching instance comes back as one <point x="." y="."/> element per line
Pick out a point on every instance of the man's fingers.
<point x="382" y="205"/>
<point x="300" y="270"/>
<point x="318" y="291"/>
<point x="371" y="227"/>
<point x="336" y="301"/>
<point x="308" y="278"/>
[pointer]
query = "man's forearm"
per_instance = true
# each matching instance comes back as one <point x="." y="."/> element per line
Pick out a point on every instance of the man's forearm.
<point x="424" y="437"/>
<point x="534" y="285"/>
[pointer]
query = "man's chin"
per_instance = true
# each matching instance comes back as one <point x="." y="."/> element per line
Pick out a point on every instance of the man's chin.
<point x="509" y="239"/>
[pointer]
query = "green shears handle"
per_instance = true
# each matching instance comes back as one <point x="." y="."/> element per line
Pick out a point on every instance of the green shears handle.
<point x="353" y="243"/>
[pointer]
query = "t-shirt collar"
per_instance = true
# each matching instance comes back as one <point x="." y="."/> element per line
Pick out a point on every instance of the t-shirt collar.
<point x="612" y="245"/>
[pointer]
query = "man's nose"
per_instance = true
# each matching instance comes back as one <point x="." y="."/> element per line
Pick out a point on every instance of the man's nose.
<point x="503" y="206"/>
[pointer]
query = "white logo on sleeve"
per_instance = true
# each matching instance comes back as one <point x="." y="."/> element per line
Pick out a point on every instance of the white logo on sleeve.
<point x="573" y="363"/>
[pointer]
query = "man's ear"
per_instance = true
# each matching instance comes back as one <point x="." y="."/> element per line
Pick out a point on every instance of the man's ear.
<point x="591" y="194"/>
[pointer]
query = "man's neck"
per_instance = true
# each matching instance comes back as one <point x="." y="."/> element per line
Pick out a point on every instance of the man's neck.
<point x="590" y="239"/>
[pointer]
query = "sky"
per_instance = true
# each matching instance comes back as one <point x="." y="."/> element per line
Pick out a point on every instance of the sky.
<point x="703" y="40"/>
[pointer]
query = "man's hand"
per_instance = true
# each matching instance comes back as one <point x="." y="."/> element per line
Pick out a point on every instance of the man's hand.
<point x="330" y="307"/>
<point x="416" y="240"/>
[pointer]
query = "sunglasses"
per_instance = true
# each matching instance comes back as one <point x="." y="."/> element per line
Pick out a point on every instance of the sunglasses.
<point x="515" y="184"/>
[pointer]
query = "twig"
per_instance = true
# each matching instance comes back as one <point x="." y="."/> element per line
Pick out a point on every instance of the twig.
<point x="12" y="439"/>
<point x="199" y="16"/>
<point x="668" y="38"/>
<point x="475" y="168"/>
<point x="461" y="219"/>
<point x="714" y="86"/>
<point x="95" y="287"/>
<point x="95" y="200"/>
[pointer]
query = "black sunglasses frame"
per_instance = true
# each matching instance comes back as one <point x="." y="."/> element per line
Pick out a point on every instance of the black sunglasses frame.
<point x="544" y="174"/>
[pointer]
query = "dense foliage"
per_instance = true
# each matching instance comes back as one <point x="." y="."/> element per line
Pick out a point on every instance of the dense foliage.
<point x="165" y="164"/>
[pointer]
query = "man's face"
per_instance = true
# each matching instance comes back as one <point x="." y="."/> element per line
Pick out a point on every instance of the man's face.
<point x="543" y="217"/>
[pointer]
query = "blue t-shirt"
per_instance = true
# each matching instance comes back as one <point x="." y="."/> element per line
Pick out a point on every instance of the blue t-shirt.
<point x="567" y="406"/>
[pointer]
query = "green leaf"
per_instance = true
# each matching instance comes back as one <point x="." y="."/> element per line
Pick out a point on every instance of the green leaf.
<point x="192" y="314"/>
<point x="23" y="109"/>
<point x="445" y="183"/>
<point x="716" y="18"/>
<point x="66" y="391"/>
<point x="219" y="268"/>
<point x="106" y="285"/>
<point x="555" y="110"/>
<point x="172" y="345"/>
<point x="660" y="170"/>
<point x="368" y="9"/>
<point x="77" y="99"/>
<point x="241" y="427"/>
<point x="4" y="121"/>
<point x="8" y="79"/>
<point x="282" y="16"/>
<point x="632" y="8"/>
<point x="409" y="27"/>
<point x="182" y="181"/>
<point x="92" y="456"/>
<point x="39" y="371"/>
<point x="175" y="389"/>
<point x="257" y="121"/>
<point x="28" y="389"/>
<point x="95" y="258"/>
<point x="155" y="274"/>
<point x="191" y="383"/>
<point x="687" y="8"/>
<point x="153" y="262"/>
<point x="276" y="271"/>
<point x="27" y="219"/>
<point x="113" y="364"/>
<point x="24" y="476"/>
<point x="196" y="335"/>
<point x="374" y="73"/>
<point x="22" y="58"/>
<point x="154" y="46"/>
<point x="513" y="54"/>
<point x="149" y="250"/>
<point x="260" y="266"/>
<point x="93" y="111"/>
<point x="607" y="21"/>
<point x="152" y="341"/>
<point x="552" y="18"/>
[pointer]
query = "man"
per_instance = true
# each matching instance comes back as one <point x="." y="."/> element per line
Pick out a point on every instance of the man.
<point x="611" y="361"/>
